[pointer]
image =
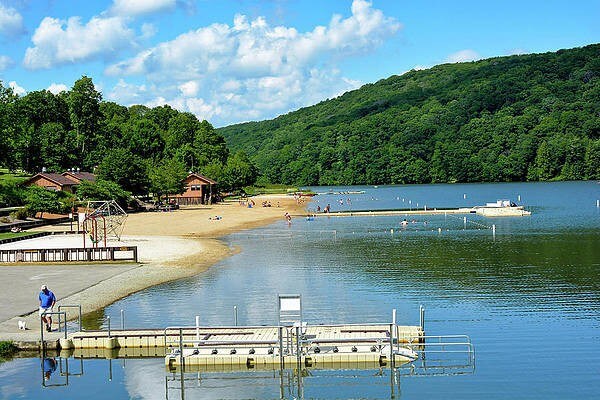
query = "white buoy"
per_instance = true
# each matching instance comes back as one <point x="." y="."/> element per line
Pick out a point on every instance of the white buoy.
<point x="464" y="196"/>
<point x="519" y="198"/>
<point x="597" y="203"/>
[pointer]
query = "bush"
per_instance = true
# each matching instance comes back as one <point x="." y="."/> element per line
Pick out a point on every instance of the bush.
<point x="21" y="214"/>
<point x="7" y="349"/>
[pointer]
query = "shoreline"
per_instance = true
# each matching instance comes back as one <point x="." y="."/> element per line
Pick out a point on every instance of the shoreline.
<point x="172" y="245"/>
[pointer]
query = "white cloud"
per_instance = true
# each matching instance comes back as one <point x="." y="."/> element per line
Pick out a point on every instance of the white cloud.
<point x="11" y="22"/>
<point x="517" y="51"/>
<point x="60" y="42"/>
<point x="253" y="70"/>
<point x="5" y="63"/>
<point x="56" y="88"/>
<point x="140" y="7"/>
<point x="148" y="30"/>
<point x="190" y="88"/>
<point x="463" y="56"/>
<point x="16" y="88"/>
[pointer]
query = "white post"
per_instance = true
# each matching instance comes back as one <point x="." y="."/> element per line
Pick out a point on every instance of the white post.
<point x="465" y="222"/>
<point x="494" y="230"/>
<point x="198" y="329"/>
<point x="394" y="316"/>
<point x="597" y="203"/>
<point x="519" y="198"/>
<point x="464" y="196"/>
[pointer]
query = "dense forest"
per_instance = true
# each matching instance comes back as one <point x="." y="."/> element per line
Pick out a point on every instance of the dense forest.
<point x="517" y="118"/>
<point x="140" y="149"/>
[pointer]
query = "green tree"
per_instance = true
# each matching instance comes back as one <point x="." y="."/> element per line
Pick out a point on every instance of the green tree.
<point x="102" y="190"/>
<point x="209" y="145"/>
<point x="238" y="172"/>
<point x="181" y="131"/>
<point x="42" y="200"/>
<point x="56" y="147"/>
<point x="11" y="194"/>
<point x="84" y="110"/>
<point x="592" y="160"/>
<point x="142" y="137"/>
<point x="167" y="177"/>
<point x="126" y="169"/>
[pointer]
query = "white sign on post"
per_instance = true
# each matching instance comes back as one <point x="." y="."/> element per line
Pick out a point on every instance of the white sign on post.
<point x="292" y="304"/>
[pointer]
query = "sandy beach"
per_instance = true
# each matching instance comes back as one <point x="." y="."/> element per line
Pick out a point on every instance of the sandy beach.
<point x="171" y="245"/>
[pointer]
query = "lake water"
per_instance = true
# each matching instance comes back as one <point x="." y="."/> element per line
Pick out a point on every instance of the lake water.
<point x="528" y="297"/>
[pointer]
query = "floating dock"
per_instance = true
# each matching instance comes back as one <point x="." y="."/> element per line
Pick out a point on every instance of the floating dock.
<point x="247" y="347"/>
<point x="292" y="343"/>
<point x="484" y="211"/>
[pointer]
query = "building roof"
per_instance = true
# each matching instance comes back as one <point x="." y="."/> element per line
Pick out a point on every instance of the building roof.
<point x="80" y="176"/>
<point x="202" y="178"/>
<point x="52" y="177"/>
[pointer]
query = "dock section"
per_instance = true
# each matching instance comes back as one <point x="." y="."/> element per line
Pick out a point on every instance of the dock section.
<point x="263" y="347"/>
<point x="483" y="211"/>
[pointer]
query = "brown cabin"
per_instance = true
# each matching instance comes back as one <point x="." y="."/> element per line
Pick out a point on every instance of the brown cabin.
<point x="52" y="181"/>
<point x="65" y="182"/>
<point x="198" y="190"/>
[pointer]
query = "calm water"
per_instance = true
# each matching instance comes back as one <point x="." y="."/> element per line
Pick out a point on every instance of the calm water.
<point x="529" y="298"/>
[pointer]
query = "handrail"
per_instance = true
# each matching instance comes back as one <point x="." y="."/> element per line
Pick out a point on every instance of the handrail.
<point x="52" y="313"/>
<point x="78" y="306"/>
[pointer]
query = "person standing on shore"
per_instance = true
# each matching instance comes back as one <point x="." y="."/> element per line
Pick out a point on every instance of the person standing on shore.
<point x="47" y="301"/>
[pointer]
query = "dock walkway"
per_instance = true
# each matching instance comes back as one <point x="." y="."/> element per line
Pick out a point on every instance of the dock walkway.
<point x="250" y="347"/>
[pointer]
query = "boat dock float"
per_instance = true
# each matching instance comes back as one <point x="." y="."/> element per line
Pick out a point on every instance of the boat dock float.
<point x="483" y="211"/>
<point x="251" y="345"/>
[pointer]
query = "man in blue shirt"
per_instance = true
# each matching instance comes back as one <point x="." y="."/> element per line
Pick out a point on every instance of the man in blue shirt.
<point x="47" y="301"/>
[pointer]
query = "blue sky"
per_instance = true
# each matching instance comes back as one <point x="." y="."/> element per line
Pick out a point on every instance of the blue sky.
<point x="230" y="61"/>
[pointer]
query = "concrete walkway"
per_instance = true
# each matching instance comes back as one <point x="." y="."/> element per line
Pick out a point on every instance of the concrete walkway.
<point x="20" y="286"/>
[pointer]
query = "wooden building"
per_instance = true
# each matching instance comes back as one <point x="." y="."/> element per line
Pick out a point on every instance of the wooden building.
<point x="65" y="182"/>
<point x="52" y="181"/>
<point x="198" y="190"/>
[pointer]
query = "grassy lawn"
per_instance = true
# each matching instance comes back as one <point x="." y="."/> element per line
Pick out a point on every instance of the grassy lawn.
<point x="6" y="175"/>
<point x="10" y="235"/>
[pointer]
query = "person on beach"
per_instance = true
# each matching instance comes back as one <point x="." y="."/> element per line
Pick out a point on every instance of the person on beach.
<point x="47" y="301"/>
<point x="288" y="218"/>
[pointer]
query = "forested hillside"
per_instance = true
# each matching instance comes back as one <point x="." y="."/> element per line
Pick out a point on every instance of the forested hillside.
<point x="516" y="118"/>
<point x="141" y="149"/>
